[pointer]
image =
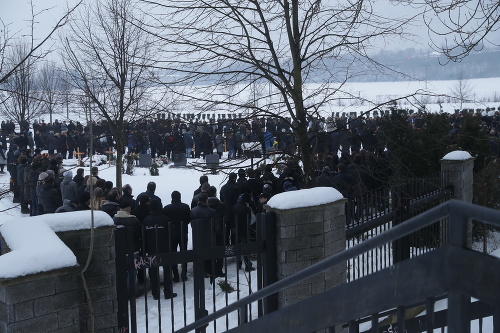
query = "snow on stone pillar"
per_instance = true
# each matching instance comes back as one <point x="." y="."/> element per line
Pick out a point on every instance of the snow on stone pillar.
<point x="460" y="167"/>
<point x="310" y="227"/>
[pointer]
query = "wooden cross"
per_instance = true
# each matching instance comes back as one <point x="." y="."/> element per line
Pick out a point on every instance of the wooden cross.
<point x="110" y="152"/>
<point x="77" y="153"/>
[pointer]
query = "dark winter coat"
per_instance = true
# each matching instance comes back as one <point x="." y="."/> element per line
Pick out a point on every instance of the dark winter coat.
<point x="241" y="213"/>
<point x="156" y="232"/>
<point x="69" y="188"/>
<point x="110" y="208"/>
<point x="218" y="206"/>
<point x="203" y="212"/>
<point x="346" y="184"/>
<point x="178" y="212"/>
<point x="229" y="194"/>
<point x="50" y="197"/>
<point x="123" y="218"/>
<point x="151" y="196"/>
<point x="324" y="180"/>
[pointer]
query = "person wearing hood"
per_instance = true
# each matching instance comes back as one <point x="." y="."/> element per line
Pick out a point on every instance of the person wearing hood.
<point x="69" y="188"/>
<point x="156" y="242"/>
<point x="68" y="206"/>
<point x="179" y="214"/>
<point x="50" y="195"/>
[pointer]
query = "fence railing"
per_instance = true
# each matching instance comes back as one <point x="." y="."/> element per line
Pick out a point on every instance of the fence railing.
<point x="259" y="245"/>
<point x="380" y="210"/>
<point x="468" y="280"/>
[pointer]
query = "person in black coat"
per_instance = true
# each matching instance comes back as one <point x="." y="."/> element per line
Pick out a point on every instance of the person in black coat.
<point x="179" y="215"/>
<point x="229" y="194"/>
<point x="325" y="179"/>
<point x="242" y="213"/>
<point x="156" y="242"/>
<point x="50" y="195"/>
<point x="127" y="195"/>
<point x="142" y="210"/>
<point x="208" y="217"/>
<point x="218" y="206"/>
<point x="150" y="192"/>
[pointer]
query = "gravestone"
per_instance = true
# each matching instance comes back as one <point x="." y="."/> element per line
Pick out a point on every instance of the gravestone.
<point x="144" y="160"/>
<point x="212" y="160"/>
<point x="179" y="160"/>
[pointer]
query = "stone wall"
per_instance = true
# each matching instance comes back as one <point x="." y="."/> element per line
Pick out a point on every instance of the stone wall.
<point x="45" y="302"/>
<point x="304" y="237"/>
<point x="100" y="277"/>
<point x="55" y="301"/>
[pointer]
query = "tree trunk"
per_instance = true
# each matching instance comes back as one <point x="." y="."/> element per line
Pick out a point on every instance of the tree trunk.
<point x="119" y="156"/>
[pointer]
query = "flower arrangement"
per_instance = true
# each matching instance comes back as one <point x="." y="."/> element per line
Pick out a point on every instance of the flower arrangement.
<point x="164" y="159"/>
<point x="132" y="156"/>
<point x="158" y="161"/>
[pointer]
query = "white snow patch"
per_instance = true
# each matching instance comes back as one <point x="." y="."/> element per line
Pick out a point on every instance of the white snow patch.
<point x="457" y="155"/>
<point x="305" y="198"/>
<point x="35" y="248"/>
<point x="79" y="220"/>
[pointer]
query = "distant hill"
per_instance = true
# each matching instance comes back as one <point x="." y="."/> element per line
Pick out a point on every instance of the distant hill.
<point x="427" y="66"/>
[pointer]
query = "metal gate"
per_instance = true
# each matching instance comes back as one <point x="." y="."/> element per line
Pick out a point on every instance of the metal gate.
<point x="259" y="245"/>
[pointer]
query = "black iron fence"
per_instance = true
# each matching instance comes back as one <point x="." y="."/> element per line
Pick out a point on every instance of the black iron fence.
<point x="449" y="289"/>
<point x="259" y="246"/>
<point x="380" y="210"/>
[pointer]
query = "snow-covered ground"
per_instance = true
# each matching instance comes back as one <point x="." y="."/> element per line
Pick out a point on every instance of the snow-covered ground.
<point x="184" y="180"/>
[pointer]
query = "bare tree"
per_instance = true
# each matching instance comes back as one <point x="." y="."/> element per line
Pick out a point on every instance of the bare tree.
<point x="465" y="25"/>
<point x="50" y="85"/>
<point x="20" y="94"/>
<point x="302" y="52"/>
<point x="462" y="91"/>
<point x="8" y="68"/>
<point x="108" y="56"/>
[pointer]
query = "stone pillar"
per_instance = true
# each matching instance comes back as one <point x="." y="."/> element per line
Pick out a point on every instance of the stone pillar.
<point x="100" y="277"/>
<point x="304" y="237"/>
<point x="460" y="167"/>
<point x="460" y="173"/>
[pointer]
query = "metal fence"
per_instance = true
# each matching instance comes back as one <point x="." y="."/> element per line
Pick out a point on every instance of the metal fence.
<point x="259" y="245"/>
<point x="390" y="299"/>
<point x="380" y="210"/>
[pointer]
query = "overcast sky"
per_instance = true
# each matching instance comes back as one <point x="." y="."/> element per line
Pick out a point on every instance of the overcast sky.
<point x="17" y="14"/>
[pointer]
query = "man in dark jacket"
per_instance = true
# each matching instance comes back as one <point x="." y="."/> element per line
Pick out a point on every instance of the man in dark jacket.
<point x="127" y="195"/>
<point x="50" y="195"/>
<point x="325" y="179"/>
<point x="218" y="206"/>
<point x="242" y="213"/>
<point x="229" y="194"/>
<point x="156" y="242"/>
<point x="150" y="192"/>
<point x="179" y="215"/>
<point x="133" y="225"/>
<point x="207" y="217"/>
<point x="111" y="206"/>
